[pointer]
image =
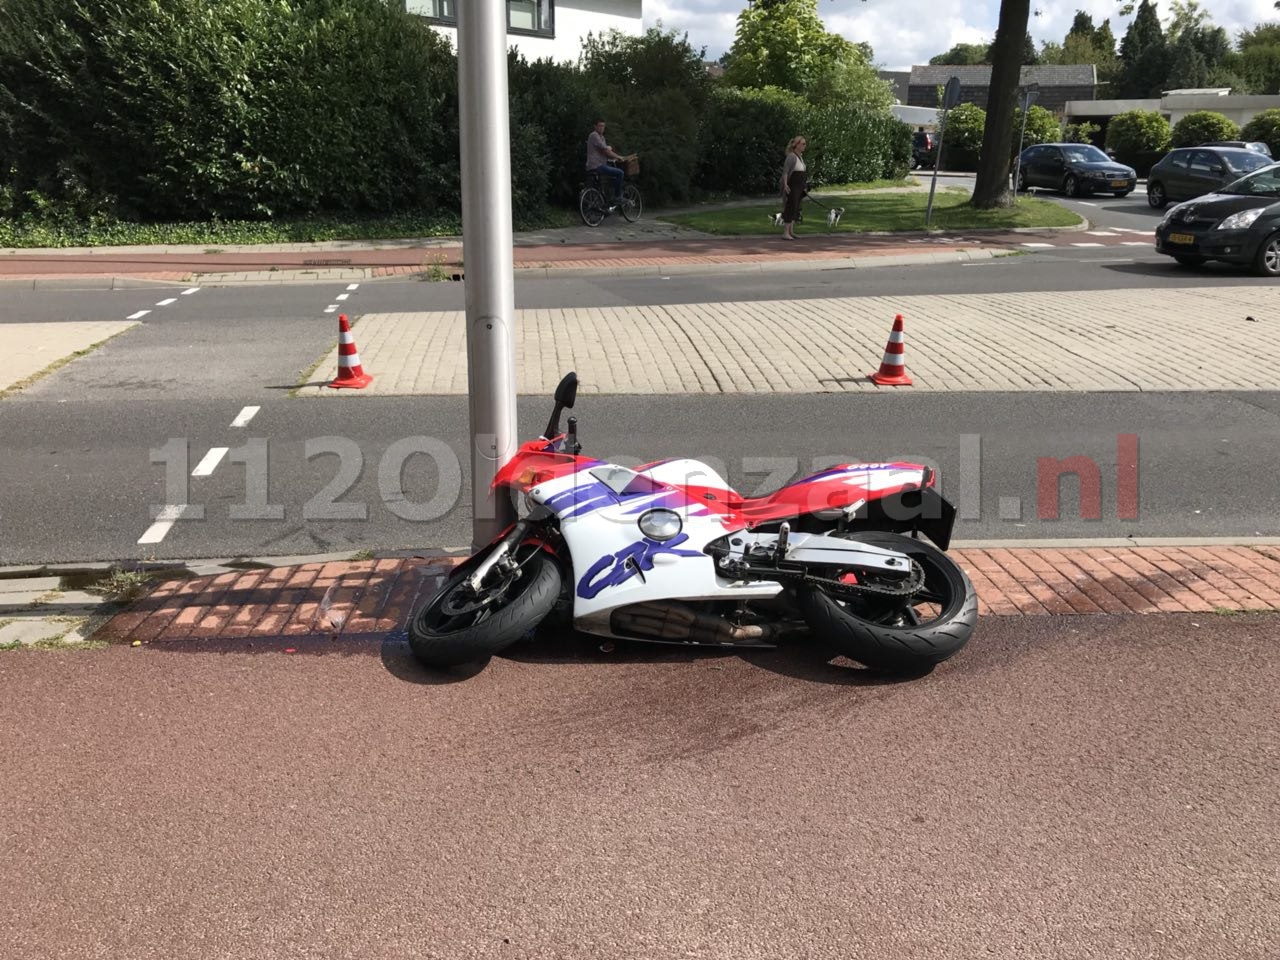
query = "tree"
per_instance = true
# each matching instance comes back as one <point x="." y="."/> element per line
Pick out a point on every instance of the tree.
<point x="1189" y="69"/>
<point x="784" y="44"/>
<point x="1186" y="16"/>
<point x="1027" y="53"/>
<point x="962" y="54"/>
<point x="1143" y="55"/>
<point x="991" y="189"/>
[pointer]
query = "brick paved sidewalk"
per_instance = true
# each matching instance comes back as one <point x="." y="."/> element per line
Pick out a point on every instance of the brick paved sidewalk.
<point x="372" y="599"/>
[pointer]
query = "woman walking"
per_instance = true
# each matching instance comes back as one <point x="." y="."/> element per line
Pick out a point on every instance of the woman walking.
<point x="793" y="185"/>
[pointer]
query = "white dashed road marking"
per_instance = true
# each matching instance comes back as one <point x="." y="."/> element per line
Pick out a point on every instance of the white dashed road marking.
<point x="353" y="286"/>
<point x="138" y="316"/>
<point x="1038" y="245"/>
<point x="342" y="296"/>
<point x="247" y="414"/>
<point x="1088" y="244"/>
<point x="1102" y="233"/>
<point x="165" y="303"/>
<point x="331" y="308"/>
<point x="1136" y="243"/>
<point x="210" y="462"/>
<point x="1085" y="203"/>
<point x="187" y="293"/>
<point x="158" y="530"/>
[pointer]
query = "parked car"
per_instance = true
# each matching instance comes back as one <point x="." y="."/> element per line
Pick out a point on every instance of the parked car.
<point x="923" y="149"/>
<point x="1194" y="171"/>
<point x="1077" y="169"/>
<point x="1240" y="224"/>
<point x="1255" y="145"/>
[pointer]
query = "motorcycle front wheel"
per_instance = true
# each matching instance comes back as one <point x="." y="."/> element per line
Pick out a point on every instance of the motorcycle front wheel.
<point x="898" y="635"/>
<point x="460" y="626"/>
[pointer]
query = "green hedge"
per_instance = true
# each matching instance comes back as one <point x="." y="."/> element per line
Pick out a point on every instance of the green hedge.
<point x="1264" y="127"/>
<point x="744" y="137"/>
<point x="257" y="110"/>
<point x="1203" y="126"/>
<point x="1138" y="138"/>
<point x="179" y="109"/>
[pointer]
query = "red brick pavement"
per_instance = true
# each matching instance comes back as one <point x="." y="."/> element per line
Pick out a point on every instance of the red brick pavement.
<point x="371" y="598"/>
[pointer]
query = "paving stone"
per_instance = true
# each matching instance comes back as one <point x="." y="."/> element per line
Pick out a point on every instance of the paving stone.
<point x="32" y="631"/>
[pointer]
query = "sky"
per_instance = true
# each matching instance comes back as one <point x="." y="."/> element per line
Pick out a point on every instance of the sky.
<point x="907" y="32"/>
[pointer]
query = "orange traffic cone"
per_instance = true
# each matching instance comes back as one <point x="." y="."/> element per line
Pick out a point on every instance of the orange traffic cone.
<point x="893" y="368"/>
<point x="350" y="373"/>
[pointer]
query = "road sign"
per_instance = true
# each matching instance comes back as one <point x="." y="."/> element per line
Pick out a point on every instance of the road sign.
<point x="951" y="96"/>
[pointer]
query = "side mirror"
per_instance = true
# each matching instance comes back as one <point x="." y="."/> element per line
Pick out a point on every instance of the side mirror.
<point x="566" y="394"/>
<point x="567" y="390"/>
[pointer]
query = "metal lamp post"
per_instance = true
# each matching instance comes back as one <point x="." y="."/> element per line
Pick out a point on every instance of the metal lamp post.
<point x="950" y="97"/>
<point x="487" y="252"/>
<point x="1028" y="97"/>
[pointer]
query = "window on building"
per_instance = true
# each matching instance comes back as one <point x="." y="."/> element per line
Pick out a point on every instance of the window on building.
<point x="523" y="16"/>
<point x="445" y="11"/>
<point x="531" y="16"/>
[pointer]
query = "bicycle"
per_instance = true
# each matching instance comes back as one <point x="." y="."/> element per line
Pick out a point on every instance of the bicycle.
<point x="593" y="206"/>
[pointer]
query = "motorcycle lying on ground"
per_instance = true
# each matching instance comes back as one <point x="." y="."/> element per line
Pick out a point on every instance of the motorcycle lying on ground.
<point x="670" y="553"/>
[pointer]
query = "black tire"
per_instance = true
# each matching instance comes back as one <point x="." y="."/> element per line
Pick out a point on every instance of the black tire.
<point x="1022" y="181"/>
<point x="1071" y="186"/>
<point x="592" y="207"/>
<point x="1189" y="260"/>
<point x="1156" y="196"/>
<point x="632" y="204"/>
<point x="894" y="641"/>
<point x="1267" y="261"/>
<point x="442" y="637"/>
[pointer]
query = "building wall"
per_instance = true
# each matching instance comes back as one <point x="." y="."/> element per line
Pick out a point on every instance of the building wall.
<point x="574" y="19"/>
<point x="1051" y="98"/>
<point x="1176" y="106"/>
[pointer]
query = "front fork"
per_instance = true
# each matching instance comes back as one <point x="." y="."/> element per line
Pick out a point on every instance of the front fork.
<point x="502" y="555"/>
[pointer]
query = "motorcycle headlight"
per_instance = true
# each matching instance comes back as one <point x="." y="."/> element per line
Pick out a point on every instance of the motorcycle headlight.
<point x="660" y="524"/>
<point x="1240" y="221"/>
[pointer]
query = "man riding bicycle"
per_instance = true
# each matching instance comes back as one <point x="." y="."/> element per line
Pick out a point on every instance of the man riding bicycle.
<point x="599" y="154"/>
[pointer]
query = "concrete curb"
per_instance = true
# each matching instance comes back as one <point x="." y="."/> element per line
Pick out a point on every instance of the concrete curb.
<point x="91" y="283"/>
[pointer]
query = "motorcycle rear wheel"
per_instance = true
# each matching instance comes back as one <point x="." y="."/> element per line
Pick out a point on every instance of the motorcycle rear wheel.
<point x="931" y="627"/>
<point x="457" y="626"/>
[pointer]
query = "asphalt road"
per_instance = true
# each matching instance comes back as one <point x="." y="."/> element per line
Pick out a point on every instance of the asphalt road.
<point x="335" y="475"/>
<point x="93" y="450"/>
<point x="1065" y="788"/>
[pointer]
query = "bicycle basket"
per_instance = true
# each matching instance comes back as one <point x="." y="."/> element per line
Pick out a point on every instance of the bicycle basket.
<point x="632" y="167"/>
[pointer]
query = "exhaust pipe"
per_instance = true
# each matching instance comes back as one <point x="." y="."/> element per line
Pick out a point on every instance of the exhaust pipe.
<point x="676" y="622"/>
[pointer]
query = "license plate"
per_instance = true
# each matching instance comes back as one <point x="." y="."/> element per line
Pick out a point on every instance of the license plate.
<point x="1181" y="238"/>
<point x="1119" y="183"/>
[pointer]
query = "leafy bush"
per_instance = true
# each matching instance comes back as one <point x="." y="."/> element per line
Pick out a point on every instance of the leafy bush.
<point x="654" y="90"/>
<point x="744" y="136"/>
<point x="187" y="109"/>
<point x="1264" y="126"/>
<point x="1042" y="127"/>
<point x="1080" y="132"/>
<point x="852" y="144"/>
<point x="555" y="106"/>
<point x="962" y="138"/>
<point x="1202" y="126"/>
<point x="1138" y="138"/>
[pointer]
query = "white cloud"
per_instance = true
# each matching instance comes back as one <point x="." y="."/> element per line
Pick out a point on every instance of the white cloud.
<point x="907" y="32"/>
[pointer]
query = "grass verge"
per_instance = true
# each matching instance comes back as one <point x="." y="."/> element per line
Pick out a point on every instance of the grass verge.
<point x="883" y="213"/>
<point x="217" y="234"/>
